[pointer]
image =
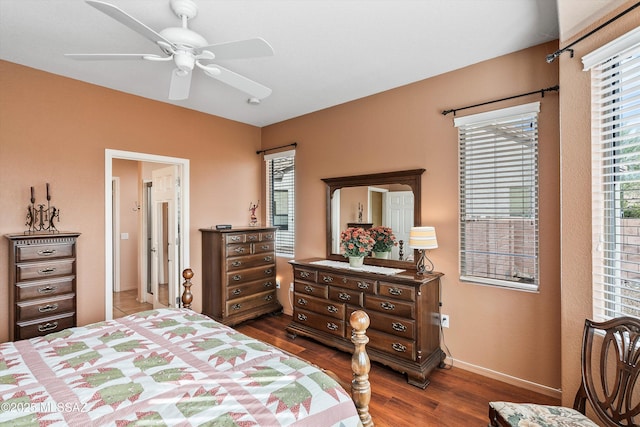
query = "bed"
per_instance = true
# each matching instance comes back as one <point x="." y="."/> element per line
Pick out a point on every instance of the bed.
<point x="173" y="367"/>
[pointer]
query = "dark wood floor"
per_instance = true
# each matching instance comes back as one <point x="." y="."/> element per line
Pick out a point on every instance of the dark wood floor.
<point x="455" y="397"/>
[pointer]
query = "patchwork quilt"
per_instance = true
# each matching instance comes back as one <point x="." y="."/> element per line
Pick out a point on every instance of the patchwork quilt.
<point x="164" y="367"/>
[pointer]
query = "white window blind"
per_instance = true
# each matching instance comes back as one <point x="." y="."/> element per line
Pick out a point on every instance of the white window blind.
<point x="498" y="152"/>
<point x="280" y="180"/>
<point x="615" y="123"/>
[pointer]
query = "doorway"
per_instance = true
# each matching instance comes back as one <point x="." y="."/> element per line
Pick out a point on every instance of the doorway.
<point x="177" y="221"/>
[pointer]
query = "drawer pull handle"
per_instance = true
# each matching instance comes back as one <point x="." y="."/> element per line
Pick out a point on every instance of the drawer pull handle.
<point x="47" y="289"/>
<point x="332" y="309"/>
<point x="332" y="326"/>
<point x="47" y="327"/>
<point x="236" y="263"/>
<point x="397" y="326"/>
<point x="363" y="285"/>
<point x="48" y="307"/>
<point x="237" y="277"/>
<point x="399" y="347"/>
<point x="235" y="238"/>
<point x="239" y="249"/>
<point x="305" y="274"/>
<point x="47" y="252"/>
<point x="268" y="236"/>
<point x="268" y="284"/>
<point x="302" y="317"/>
<point x="344" y="296"/>
<point x="302" y="301"/>
<point x="252" y="238"/>
<point x="268" y="297"/>
<point x="237" y="291"/>
<point x="327" y="279"/>
<point x="395" y="291"/>
<point x="268" y="258"/>
<point x="48" y="270"/>
<point x="265" y="247"/>
<point x="236" y="306"/>
<point x="268" y="272"/>
<point x="387" y="306"/>
<point x="308" y="289"/>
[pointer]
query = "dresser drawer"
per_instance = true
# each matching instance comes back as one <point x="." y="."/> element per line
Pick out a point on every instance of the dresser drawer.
<point x="263" y="247"/>
<point x="243" y="276"/>
<point x="389" y="306"/>
<point x="345" y="295"/>
<point x="307" y="275"/>
<point x="43" y="252"/>
<point x="393" y="290"/>
<point x="320" y="291"/>
<point x="44" y="288"/>
<point x="267" y="236"/>
<point x="234" y="238"/>
<point x="250" y="288"/>
<point x="238" y="250"/>
<point x="47" y="307"/>
<point x="391" y="344"/>
<point x="397" y="326"/>
<point x="39" y="270"/>
<point x="39" y="327"/>
<point x="240" y="305"/>
<point x="321" y="306"/>
<point x="318" y="321"/>
<point x="240" y="263"/>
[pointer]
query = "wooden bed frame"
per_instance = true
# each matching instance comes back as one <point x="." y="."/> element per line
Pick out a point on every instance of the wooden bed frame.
<point x="360" y="364"/>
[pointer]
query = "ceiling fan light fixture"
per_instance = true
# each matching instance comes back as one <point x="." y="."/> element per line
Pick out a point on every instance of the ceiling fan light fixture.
<point x="184" y="60"/>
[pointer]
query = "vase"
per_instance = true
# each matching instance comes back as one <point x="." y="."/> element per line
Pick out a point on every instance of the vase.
<point x="382" y="255"/>
<point x="356" y="261"/>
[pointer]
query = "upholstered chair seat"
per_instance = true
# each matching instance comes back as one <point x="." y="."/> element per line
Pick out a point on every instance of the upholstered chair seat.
<point x="530" y="415"/>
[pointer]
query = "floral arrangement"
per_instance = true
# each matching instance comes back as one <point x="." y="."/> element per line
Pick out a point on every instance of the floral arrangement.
<point x="356" y="242"/>
<point x="383" y="238"/>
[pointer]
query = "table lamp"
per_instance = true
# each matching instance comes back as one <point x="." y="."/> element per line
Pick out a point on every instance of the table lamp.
<point x="423" y="238"/>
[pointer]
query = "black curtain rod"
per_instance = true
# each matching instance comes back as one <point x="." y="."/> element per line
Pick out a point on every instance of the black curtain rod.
<point x="552" y="56"/>
<point x="293" y="144"/>
<point x="541" y="92"/>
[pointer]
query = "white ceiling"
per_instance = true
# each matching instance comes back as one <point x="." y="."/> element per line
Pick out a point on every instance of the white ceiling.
<point x="327" y="52"/>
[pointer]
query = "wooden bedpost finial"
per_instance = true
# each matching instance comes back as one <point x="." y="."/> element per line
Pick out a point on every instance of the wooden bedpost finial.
<point x="360" y="365"/>
<point x="187" y="296"/>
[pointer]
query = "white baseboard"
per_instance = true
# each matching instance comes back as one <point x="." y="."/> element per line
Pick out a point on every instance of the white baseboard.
<point x="519" y="382"/>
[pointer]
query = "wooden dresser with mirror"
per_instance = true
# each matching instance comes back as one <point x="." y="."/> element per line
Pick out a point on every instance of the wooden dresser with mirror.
<point x="402" y="305"/>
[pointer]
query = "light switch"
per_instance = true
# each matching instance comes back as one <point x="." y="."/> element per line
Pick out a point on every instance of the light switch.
<point x="124" y="236"/>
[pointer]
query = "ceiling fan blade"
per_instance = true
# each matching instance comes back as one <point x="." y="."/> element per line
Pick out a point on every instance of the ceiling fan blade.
<point x="249" y="48"/>
<point x="109" y="56"/>
<point x="128" y="20"/>
<point x="180" y="85"/>
<point x="237" y="81"/>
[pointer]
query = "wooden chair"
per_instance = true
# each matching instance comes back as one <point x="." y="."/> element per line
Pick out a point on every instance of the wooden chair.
<point x="610" y="370"/>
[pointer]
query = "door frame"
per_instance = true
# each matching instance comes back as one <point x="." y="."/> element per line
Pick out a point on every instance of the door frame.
<point x="183" y="173"/>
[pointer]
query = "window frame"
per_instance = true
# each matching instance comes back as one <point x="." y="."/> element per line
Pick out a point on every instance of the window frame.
<point x="285" y="237"/>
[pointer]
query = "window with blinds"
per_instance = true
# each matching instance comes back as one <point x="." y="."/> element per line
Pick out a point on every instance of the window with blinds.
<point x="615" y="123"/>
<point x="280" y="180"/>
<point x="498" y="152"/>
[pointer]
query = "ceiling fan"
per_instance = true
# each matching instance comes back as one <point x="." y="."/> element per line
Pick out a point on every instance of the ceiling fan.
<point x="188" y="49"/>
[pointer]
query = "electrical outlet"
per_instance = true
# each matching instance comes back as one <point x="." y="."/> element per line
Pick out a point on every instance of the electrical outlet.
<point x="444" y="320"/>
<point x="277" y="283"/>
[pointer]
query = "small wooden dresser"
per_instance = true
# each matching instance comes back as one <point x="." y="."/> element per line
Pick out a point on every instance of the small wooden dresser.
<point x="403" y="308"/>
<point x="239" y="273"/>
<point x="42" y="283"/>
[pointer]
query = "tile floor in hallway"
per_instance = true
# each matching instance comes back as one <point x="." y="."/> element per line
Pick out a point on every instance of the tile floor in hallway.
<point x="125" y="303"/>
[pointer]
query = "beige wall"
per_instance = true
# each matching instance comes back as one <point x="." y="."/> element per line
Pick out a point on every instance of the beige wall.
<point x="575" y="135"/>
<point x="127" y="172"/>
<point x="56" y="130"/>
<point x="502" y="333"/>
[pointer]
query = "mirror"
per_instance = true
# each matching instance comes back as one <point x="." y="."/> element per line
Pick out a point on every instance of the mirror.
<point x="390" y="199"/>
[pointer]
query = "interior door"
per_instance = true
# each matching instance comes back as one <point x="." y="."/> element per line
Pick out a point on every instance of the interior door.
<point x="165" y="248"/>
<point x="398" y="214"/>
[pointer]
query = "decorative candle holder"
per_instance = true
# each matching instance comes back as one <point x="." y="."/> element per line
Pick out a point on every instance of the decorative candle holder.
<point x="39" y="219"/>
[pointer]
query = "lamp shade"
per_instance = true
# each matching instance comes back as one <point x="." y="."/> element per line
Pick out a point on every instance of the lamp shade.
<point x="423" y="238"/>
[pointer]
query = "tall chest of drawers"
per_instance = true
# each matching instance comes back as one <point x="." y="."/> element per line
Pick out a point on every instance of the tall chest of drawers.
<point x="42" y="283"/>
<point x="403" y="309"/>
<point x="239" y="273"/>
